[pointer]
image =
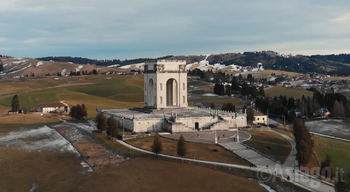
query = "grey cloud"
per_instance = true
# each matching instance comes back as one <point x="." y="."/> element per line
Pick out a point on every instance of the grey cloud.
<point x="129" y="29"/>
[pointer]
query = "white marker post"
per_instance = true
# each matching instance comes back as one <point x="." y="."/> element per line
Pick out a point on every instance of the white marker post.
<point x="123" y="125"/>
<point x="216" y="138"/>
<point x="237" y="128"/>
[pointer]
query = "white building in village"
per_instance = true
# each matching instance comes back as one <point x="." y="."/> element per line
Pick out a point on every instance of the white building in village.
<point x="53" y="108"/>
<point x="165" y="104"/>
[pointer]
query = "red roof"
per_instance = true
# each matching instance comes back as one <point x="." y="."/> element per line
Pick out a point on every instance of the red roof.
<point x="44" y="105"/>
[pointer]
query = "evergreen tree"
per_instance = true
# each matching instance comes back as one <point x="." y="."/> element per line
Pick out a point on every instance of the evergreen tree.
<point x="157" y="145"/>
<point x="72" y="111"/>
<point x="262" y="91"/>
<point x="112" y="129"/>
<point x="78" y="113"/>
<point x="291" y="103"/>
<point x="303" y="141"/>
<point x="101" y="121"/>
<point x="235" y="84"/>
<point x="250" y="78"/>
<point x="212" y="105"/>
<point x="181" y="147"/>
<point x="326" y="167"/>
<point x="291" y="115"/>
<point x="15" y="104"/>
<point x="250" y="114"/>
<point x="342" y="183"/>
<point x="338" y="109"/>
<point x="240" y="77"/>
<point x="1" y="67"/>
<point x="84" y="110"/>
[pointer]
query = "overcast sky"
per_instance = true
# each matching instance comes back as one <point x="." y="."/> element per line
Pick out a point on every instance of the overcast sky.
<point x="125" y="29"/>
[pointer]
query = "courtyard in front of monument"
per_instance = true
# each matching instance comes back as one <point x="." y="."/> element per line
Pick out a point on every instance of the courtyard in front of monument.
<point x="209" y="136"/>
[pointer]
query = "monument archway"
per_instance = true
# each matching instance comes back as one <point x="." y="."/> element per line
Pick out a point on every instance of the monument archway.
<point x="171" y="92"/>
<point x="151" y="96"/>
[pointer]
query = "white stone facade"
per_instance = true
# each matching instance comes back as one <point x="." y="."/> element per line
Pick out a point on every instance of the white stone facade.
<point x="166" y="107"/>
<point x="165" y="84"/>
<point x="190" y="119"/>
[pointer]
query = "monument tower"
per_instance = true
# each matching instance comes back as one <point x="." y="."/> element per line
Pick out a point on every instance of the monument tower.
<point x="165" y="84"/>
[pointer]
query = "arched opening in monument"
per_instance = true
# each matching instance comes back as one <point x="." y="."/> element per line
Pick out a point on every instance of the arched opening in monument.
<point x="171" y="92"/>
<point x="151" y="93"/>
<point x="196" y="125"/>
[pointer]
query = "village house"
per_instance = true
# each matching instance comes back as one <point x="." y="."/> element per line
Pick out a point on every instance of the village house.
<point x="53" y="108"/>
<point x="259" y="118"/>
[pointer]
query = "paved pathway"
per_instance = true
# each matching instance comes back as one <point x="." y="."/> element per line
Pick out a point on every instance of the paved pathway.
<point x="286" y="169"/>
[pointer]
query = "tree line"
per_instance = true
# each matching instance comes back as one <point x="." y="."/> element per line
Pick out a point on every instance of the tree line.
<point x="78" y="112"/>
<point x="336" y="103"/>
<point x="104" y="62"/>
<point x="110" y="125"/>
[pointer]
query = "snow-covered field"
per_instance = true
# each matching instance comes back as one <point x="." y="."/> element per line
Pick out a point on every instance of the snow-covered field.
<point x="335" y="127"/>
<point x="44" y="138"/>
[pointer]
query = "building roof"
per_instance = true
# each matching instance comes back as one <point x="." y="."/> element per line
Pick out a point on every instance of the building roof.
<point x="257" y="113"/>
<point x="45" y="105"/>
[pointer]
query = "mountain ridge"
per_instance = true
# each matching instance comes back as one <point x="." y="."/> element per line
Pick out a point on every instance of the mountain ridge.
<point x="326" y="64"/>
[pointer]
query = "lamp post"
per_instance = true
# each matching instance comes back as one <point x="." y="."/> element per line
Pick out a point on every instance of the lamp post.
<point x="237" y="127"/>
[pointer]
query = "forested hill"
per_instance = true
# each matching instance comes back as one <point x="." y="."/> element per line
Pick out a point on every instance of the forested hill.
<point x="326" y="64"/>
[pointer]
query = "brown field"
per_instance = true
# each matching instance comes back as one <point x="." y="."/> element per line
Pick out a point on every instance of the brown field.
<point x="278" y="72"/>
<point x="13" y="122"/>
<point x="280" y="147"/>
<point x="55" y="67"/>
<point x="194" y="150"/>
<point x="63" y="172"/>
<point x="119" y="147"/>
<point x="4" y="109"/>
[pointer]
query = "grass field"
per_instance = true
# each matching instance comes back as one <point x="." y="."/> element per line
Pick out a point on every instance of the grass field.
<point x="195" y="150"/>
<point x="216" y="100"/>
<point x="338" y="150"/>
<point x="337" y="78"/>
<point x="346" y="94"/>
<point x="270" y="144"/>
<point x="289" y="92"/>
<point x="117" y="92"/>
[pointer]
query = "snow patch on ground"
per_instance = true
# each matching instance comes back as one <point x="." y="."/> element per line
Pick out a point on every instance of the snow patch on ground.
<point x="39" y="63"/>
<point x="19" y="62"/>
<point x="43" y="138"/>
<point x="268" y="188"/>
<point x="209" y="95"/>
<point x="79" y="68"/>
<point x="334" y="127"/>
